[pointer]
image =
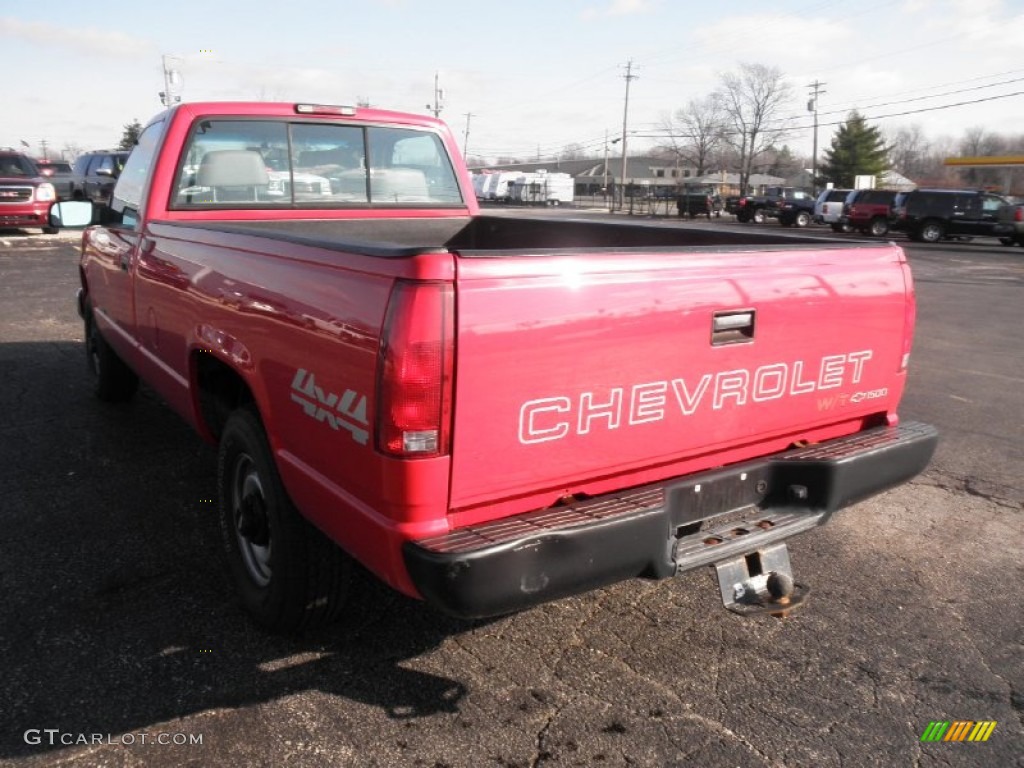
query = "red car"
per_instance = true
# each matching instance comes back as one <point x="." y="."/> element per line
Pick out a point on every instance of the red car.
<point x="867" y="211"/>
<point x="25" y="195"/>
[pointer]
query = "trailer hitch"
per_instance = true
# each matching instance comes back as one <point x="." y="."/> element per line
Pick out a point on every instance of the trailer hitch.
<point x="760" y="583"/>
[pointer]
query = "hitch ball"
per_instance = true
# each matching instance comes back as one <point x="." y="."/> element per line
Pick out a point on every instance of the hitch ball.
<point x="780" y="585"/>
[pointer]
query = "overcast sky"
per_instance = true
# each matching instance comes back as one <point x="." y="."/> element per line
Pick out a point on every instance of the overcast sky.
<point x="535" y="75"/>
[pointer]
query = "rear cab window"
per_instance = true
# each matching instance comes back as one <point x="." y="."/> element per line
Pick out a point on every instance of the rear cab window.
<point x="275" y="163"/>
<point x="128" y="193"/>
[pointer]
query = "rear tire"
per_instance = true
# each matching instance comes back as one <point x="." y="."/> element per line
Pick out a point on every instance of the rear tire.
<point x="802" y="219"/>
<point x="288" y="574"/>
<point x="931" y="231"/>
<point x="114" y="382"/>
<point x="879" y="227"/>
<point x="1007" y="241"/>
<point x="758" y="216"/>
<point x="50" y="230"/>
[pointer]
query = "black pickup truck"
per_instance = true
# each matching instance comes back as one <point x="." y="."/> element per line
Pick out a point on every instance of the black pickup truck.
<point x="790" y="205"/>
<point x="701" y="200"/>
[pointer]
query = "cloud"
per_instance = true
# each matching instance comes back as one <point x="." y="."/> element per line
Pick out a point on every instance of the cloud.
<point x="618" y="8"/>
<point x="90" y="41"/>
<point x="772" y="38"/>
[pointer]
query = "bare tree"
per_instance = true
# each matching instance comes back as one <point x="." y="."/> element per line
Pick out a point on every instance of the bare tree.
<point x="752" y="101"/>
<point x="70" y="151"/>
<point x="909" y="151"/>
<point x="694" y="133"/>
<point x="976" y="143"/>
<point x="573" y="152"/>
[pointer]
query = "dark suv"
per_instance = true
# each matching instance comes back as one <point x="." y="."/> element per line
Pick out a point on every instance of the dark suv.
<point x="932" y="214"/>
<point x="867" y="210"/>
<point x="25" y="196"/>
<point x="58" y="173"/>
<point x="95" y="174"/>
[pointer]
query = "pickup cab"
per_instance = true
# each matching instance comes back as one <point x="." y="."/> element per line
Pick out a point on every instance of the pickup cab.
<point x="702" y="200"/>
<point x="487" y="412"/>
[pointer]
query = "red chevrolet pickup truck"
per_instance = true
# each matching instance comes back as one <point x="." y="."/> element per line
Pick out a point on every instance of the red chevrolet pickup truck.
<point x="486" y="412"/>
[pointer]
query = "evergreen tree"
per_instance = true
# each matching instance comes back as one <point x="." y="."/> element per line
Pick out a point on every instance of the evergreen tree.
<point x="130" y="137"/>
<point x="857" y="150"/>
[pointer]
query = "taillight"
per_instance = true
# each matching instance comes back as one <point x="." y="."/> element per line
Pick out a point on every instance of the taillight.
<point x="1018" y="214"/>
<point x="909" y="312"/>
<point x="414" y="370"/>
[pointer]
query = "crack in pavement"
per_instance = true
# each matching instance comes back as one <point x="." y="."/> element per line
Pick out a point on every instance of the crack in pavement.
<point x="951" y="483"/>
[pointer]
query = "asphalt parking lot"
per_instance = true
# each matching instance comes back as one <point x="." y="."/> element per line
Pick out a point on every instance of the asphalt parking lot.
<point x="118" y="625"/>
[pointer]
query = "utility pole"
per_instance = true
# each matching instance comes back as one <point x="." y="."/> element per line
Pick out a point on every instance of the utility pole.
<point x="438" y="97"/>
<point x="465" y="137"/>
<point x="42" y="145"/>
<point x="629" y="76"/>
<point x="812" y="106"/>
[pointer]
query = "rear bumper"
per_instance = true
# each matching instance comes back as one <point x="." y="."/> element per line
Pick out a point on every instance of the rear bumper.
<point x="660" y="530"/>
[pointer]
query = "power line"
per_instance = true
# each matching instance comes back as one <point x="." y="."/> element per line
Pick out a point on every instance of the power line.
<point x="933" y="96"/>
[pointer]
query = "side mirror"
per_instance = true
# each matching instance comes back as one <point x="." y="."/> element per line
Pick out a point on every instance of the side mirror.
<point x="72" y="214"/>
<point x="104" y="172"/>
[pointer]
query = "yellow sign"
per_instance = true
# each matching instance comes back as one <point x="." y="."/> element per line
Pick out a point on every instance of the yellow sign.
<point x="1003" y="161"/>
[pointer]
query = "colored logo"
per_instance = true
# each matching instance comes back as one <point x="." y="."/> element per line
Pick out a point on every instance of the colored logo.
<point x="958" y="730"/>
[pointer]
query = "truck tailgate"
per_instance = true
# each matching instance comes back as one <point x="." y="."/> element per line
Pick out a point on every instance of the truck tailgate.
<point x="575" y="368"/>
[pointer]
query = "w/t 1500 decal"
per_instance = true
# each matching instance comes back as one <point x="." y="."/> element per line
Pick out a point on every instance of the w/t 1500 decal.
<point x="553" y="418"/>
<point x="346" y="411"/>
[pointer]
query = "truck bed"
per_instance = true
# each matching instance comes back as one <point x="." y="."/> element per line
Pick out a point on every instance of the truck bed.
<point x="480" y="236"/>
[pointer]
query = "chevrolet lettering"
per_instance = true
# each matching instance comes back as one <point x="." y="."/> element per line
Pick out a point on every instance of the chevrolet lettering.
<point x="551" y="418"/>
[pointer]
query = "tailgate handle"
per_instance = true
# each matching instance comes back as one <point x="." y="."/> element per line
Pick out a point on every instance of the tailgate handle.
<point x="732" y="326"/>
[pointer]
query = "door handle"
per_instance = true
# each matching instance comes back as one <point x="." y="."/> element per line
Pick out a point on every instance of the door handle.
<point x="732" y="326"/>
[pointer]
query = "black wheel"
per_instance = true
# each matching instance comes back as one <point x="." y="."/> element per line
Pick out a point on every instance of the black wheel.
<point x="840" y="228"/>
<point x="1007" y="241"/>
<point x="743" y="217"/>
<point x="758" y="216"/>
<point x="114" y="381"/>
<point x="931" y="231"/>
<point x="879" y="227"/>
<point x="288" y="574"/>
<point x="50" y="230"/>
<point x="802" y="219"/>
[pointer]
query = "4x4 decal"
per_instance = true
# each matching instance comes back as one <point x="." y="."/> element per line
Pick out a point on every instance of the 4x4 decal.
<point x="346" y="411"/>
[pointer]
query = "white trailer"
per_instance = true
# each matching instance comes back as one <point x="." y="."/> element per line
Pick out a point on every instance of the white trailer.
<point x="543" y="188"/>
<point x="499" y="187"/>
